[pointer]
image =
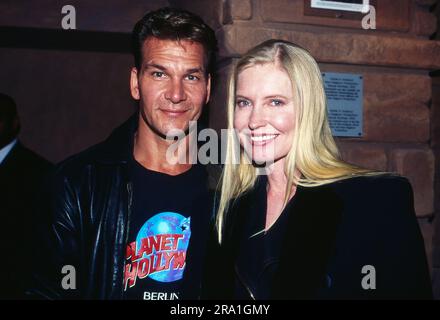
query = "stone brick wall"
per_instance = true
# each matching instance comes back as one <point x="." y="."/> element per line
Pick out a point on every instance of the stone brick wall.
<point x="395" y="61"/>
<point x="108" y="15"/>
<point x="435" y="145"/>
<point x="68" y="99"/>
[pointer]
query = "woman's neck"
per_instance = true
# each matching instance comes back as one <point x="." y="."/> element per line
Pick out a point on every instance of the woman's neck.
<point x="276" y="192"/>
<point x="276" y="178"/>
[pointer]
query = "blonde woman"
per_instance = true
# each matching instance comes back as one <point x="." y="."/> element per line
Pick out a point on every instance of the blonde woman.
<point x="311" y="226"/>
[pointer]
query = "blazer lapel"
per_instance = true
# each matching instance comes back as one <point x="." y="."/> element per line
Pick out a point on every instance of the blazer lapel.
<point x="309" y="243"/>
<point x="10" y="162"/>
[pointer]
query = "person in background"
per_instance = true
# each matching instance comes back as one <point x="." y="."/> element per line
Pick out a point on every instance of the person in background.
<point x="294" y="221"/>
<point x="21" y="174"/>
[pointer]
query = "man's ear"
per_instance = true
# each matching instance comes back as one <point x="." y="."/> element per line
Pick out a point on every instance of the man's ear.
<point x="134" y="84"/>
<point x="208" y="89"/>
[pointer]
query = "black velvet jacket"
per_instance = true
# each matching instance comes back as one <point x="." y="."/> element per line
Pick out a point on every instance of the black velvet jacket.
<point x="89" y="201"/>
<point x="332" y="231"/>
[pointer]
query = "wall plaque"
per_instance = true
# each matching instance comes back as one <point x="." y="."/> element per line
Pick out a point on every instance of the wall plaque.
<point x="344" y="103"/>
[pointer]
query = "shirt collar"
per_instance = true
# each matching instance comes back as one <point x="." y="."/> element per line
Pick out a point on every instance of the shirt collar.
<point x="5" y="150"/>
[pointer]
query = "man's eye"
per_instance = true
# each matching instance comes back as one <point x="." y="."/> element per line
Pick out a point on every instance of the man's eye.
<point x="276" y="102"/>
<point x="243" y="103"/>
<point x="192" y="77"/>
<point x="158" y="74"/>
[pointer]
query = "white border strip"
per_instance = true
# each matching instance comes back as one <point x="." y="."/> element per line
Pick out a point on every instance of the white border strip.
<point x="337" y="5"/>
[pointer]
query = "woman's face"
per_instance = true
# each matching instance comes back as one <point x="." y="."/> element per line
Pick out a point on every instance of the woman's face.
<point x="264" y="112"/>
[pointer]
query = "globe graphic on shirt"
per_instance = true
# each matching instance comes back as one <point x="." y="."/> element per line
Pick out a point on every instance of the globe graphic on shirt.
<point x="166" y="223"/>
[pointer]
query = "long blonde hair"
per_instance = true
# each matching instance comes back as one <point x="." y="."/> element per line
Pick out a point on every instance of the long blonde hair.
<point x="313" y="154"/>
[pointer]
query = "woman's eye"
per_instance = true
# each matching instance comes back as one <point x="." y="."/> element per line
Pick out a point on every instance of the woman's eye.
<point x="276" y="102"/>
<point x="243" y="103"/>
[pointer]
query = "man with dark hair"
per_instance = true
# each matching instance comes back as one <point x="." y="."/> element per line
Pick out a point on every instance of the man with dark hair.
<point x="21" y="172"/>
<point x="127" y="223"/>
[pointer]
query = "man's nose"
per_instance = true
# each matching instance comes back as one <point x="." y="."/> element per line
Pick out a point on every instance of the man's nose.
<point x="176" y="91"/>
<point x="257" y="118"/>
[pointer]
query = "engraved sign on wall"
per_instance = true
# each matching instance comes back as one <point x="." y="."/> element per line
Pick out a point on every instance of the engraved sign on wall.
<point x="344" y="93"/>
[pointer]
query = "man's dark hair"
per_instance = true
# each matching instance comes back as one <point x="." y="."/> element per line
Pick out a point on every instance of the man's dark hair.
<point x="174" y="24"/>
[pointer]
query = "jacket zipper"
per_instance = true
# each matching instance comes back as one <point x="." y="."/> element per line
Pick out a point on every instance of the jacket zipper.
<point x="244" y="284"/>
<point x="130" y="201"/>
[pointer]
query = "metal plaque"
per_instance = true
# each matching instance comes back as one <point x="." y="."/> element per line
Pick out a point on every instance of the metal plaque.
<point x="344" y="103"/>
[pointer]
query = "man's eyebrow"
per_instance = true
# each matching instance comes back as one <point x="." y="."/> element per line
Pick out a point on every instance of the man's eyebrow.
<point x="163" y="68"/>
<point x="195" y="70"/>
<point x="154" y="65"/>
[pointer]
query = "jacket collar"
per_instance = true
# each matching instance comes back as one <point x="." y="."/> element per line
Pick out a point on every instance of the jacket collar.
<point x="310" y="235"/>
<point x="6" y="150"/>
<point x="309" y="243"/>
<point x="118" y="147"/>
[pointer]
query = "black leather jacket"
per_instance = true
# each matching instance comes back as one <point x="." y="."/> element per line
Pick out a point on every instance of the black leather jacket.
<point x="90" y="204"/>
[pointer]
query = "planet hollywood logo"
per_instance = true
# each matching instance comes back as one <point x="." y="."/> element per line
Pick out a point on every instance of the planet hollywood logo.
<point x="159" y="251"/>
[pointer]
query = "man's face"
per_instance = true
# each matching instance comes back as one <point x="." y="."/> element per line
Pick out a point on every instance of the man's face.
<point x="172" y="84"/>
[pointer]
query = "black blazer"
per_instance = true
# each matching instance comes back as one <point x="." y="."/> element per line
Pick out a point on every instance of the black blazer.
<point x="332" y="232"/>
<point x="21" y="174"/>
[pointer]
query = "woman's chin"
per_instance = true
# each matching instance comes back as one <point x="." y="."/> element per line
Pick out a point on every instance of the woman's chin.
<point x="261" y="161"/>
